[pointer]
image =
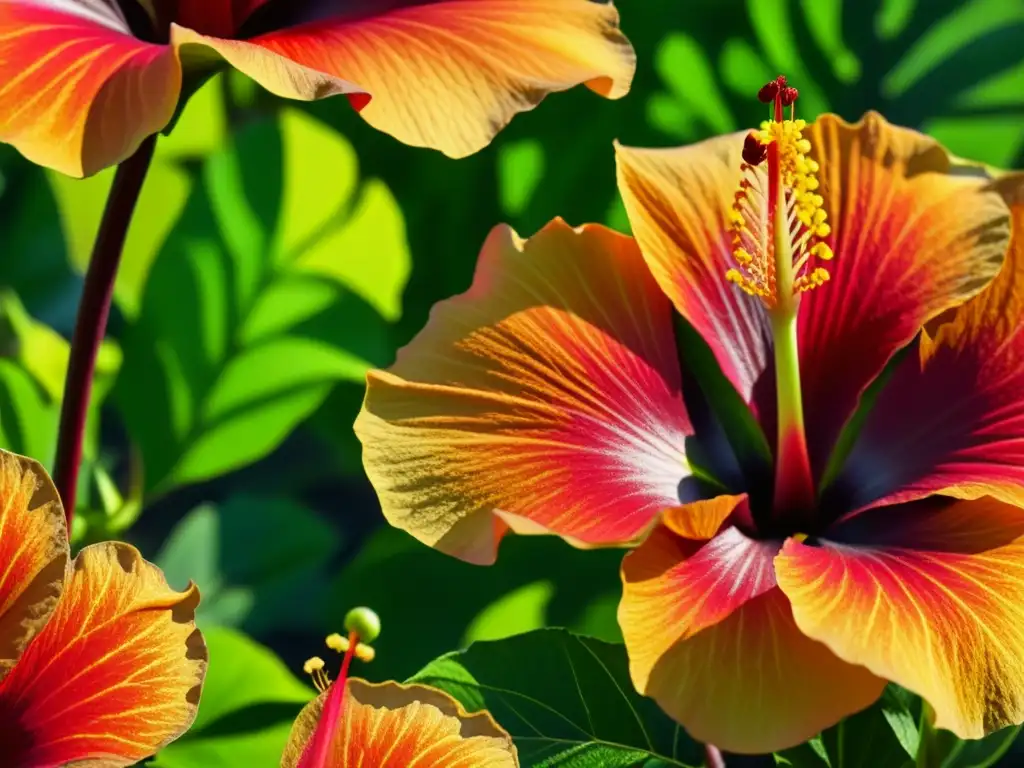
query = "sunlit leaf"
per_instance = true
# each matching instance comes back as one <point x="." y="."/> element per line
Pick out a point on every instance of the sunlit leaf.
<point x="28" y="420"/>
<point x="521" y="168"/>
<point x="567" y="700"/>
<point x="263" y="298"/>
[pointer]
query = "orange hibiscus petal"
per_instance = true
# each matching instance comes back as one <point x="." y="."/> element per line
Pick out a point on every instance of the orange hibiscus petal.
<point x="546" y="398"/>
<point x="677" y="200"/>
<point x="451" y="74"/>
<point x="116" y="672"/>
<point x="910" y="240"/>
<point x="275" y="72"/>
<point x="929" y="595"/>
<point x="390" y="725"/>
<point x="33" y="553"/>
<point x="712" y="639"/>
<point x="953" y="415"/>
<point x="78" y="93"/>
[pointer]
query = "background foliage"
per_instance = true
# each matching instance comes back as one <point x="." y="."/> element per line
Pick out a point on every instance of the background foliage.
<point x="280" y="250"/>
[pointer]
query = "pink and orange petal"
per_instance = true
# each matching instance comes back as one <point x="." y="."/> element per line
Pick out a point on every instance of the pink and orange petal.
<point x="952" y="416"/>
<point x="911" y="240"/>
<point x="546" y="398"/>
<point x="78" y="92"/>
<point x="930" y="596"/>
<point x="451" y="74"/>
<point x="33" y="554"/>
<point x="677" y="201"/>
<point x="390" y="725"/>
<point x="116" y="672"/>
<point x="712" y="639"/>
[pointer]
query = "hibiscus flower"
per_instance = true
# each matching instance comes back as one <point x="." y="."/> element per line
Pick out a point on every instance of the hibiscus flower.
<point x="100" y="661"/>
<point x="804" y="271"/>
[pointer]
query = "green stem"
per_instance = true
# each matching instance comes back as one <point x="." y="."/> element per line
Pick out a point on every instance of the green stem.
<point x="91" y="323"/>
<point x="794" y="484"/>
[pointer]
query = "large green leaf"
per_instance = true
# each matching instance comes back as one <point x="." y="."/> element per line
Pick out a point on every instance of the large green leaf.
<point x="249" y="702"/>
<point x="254" y="308"/>
<point x="567" y="701"/>
<point x="259" y="562"/>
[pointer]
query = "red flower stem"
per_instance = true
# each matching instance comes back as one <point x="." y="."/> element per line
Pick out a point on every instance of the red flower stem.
<point x="713" y="757"/>
<point x="330" y="717"/>
<point x="91" y="323"/>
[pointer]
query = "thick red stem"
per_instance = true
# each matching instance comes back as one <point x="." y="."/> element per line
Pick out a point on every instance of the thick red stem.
<point x="91" y="323"/>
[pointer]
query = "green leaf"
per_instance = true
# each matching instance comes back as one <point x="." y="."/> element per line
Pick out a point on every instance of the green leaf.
<point x="521" y="610"/>
<point x="810" y="754"/>
<point x="28" y="420"/>
<point x="945" y="750"/>
<point x="272" y="289"/>
<point x="520" y="171"/>
<point x="35" y="360"/>
<point x="250" y="700"/>
<point x="257" y="560"/>
<point x="44" y="353"/>
<point x="566" y="700"/>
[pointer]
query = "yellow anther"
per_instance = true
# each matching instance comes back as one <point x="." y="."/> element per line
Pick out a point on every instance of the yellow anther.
<point x="314" y="667"/>
<point x="821" y="251"/>
<point x="756" y="244"/>
<point x="341" y="644"/>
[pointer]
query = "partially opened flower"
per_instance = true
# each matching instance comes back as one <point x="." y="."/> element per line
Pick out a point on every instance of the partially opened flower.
<point x="388" y="725"/>
<point x="100" y="661"/>
<point x="83" y="82"/>
<point x="821" y="561"/>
